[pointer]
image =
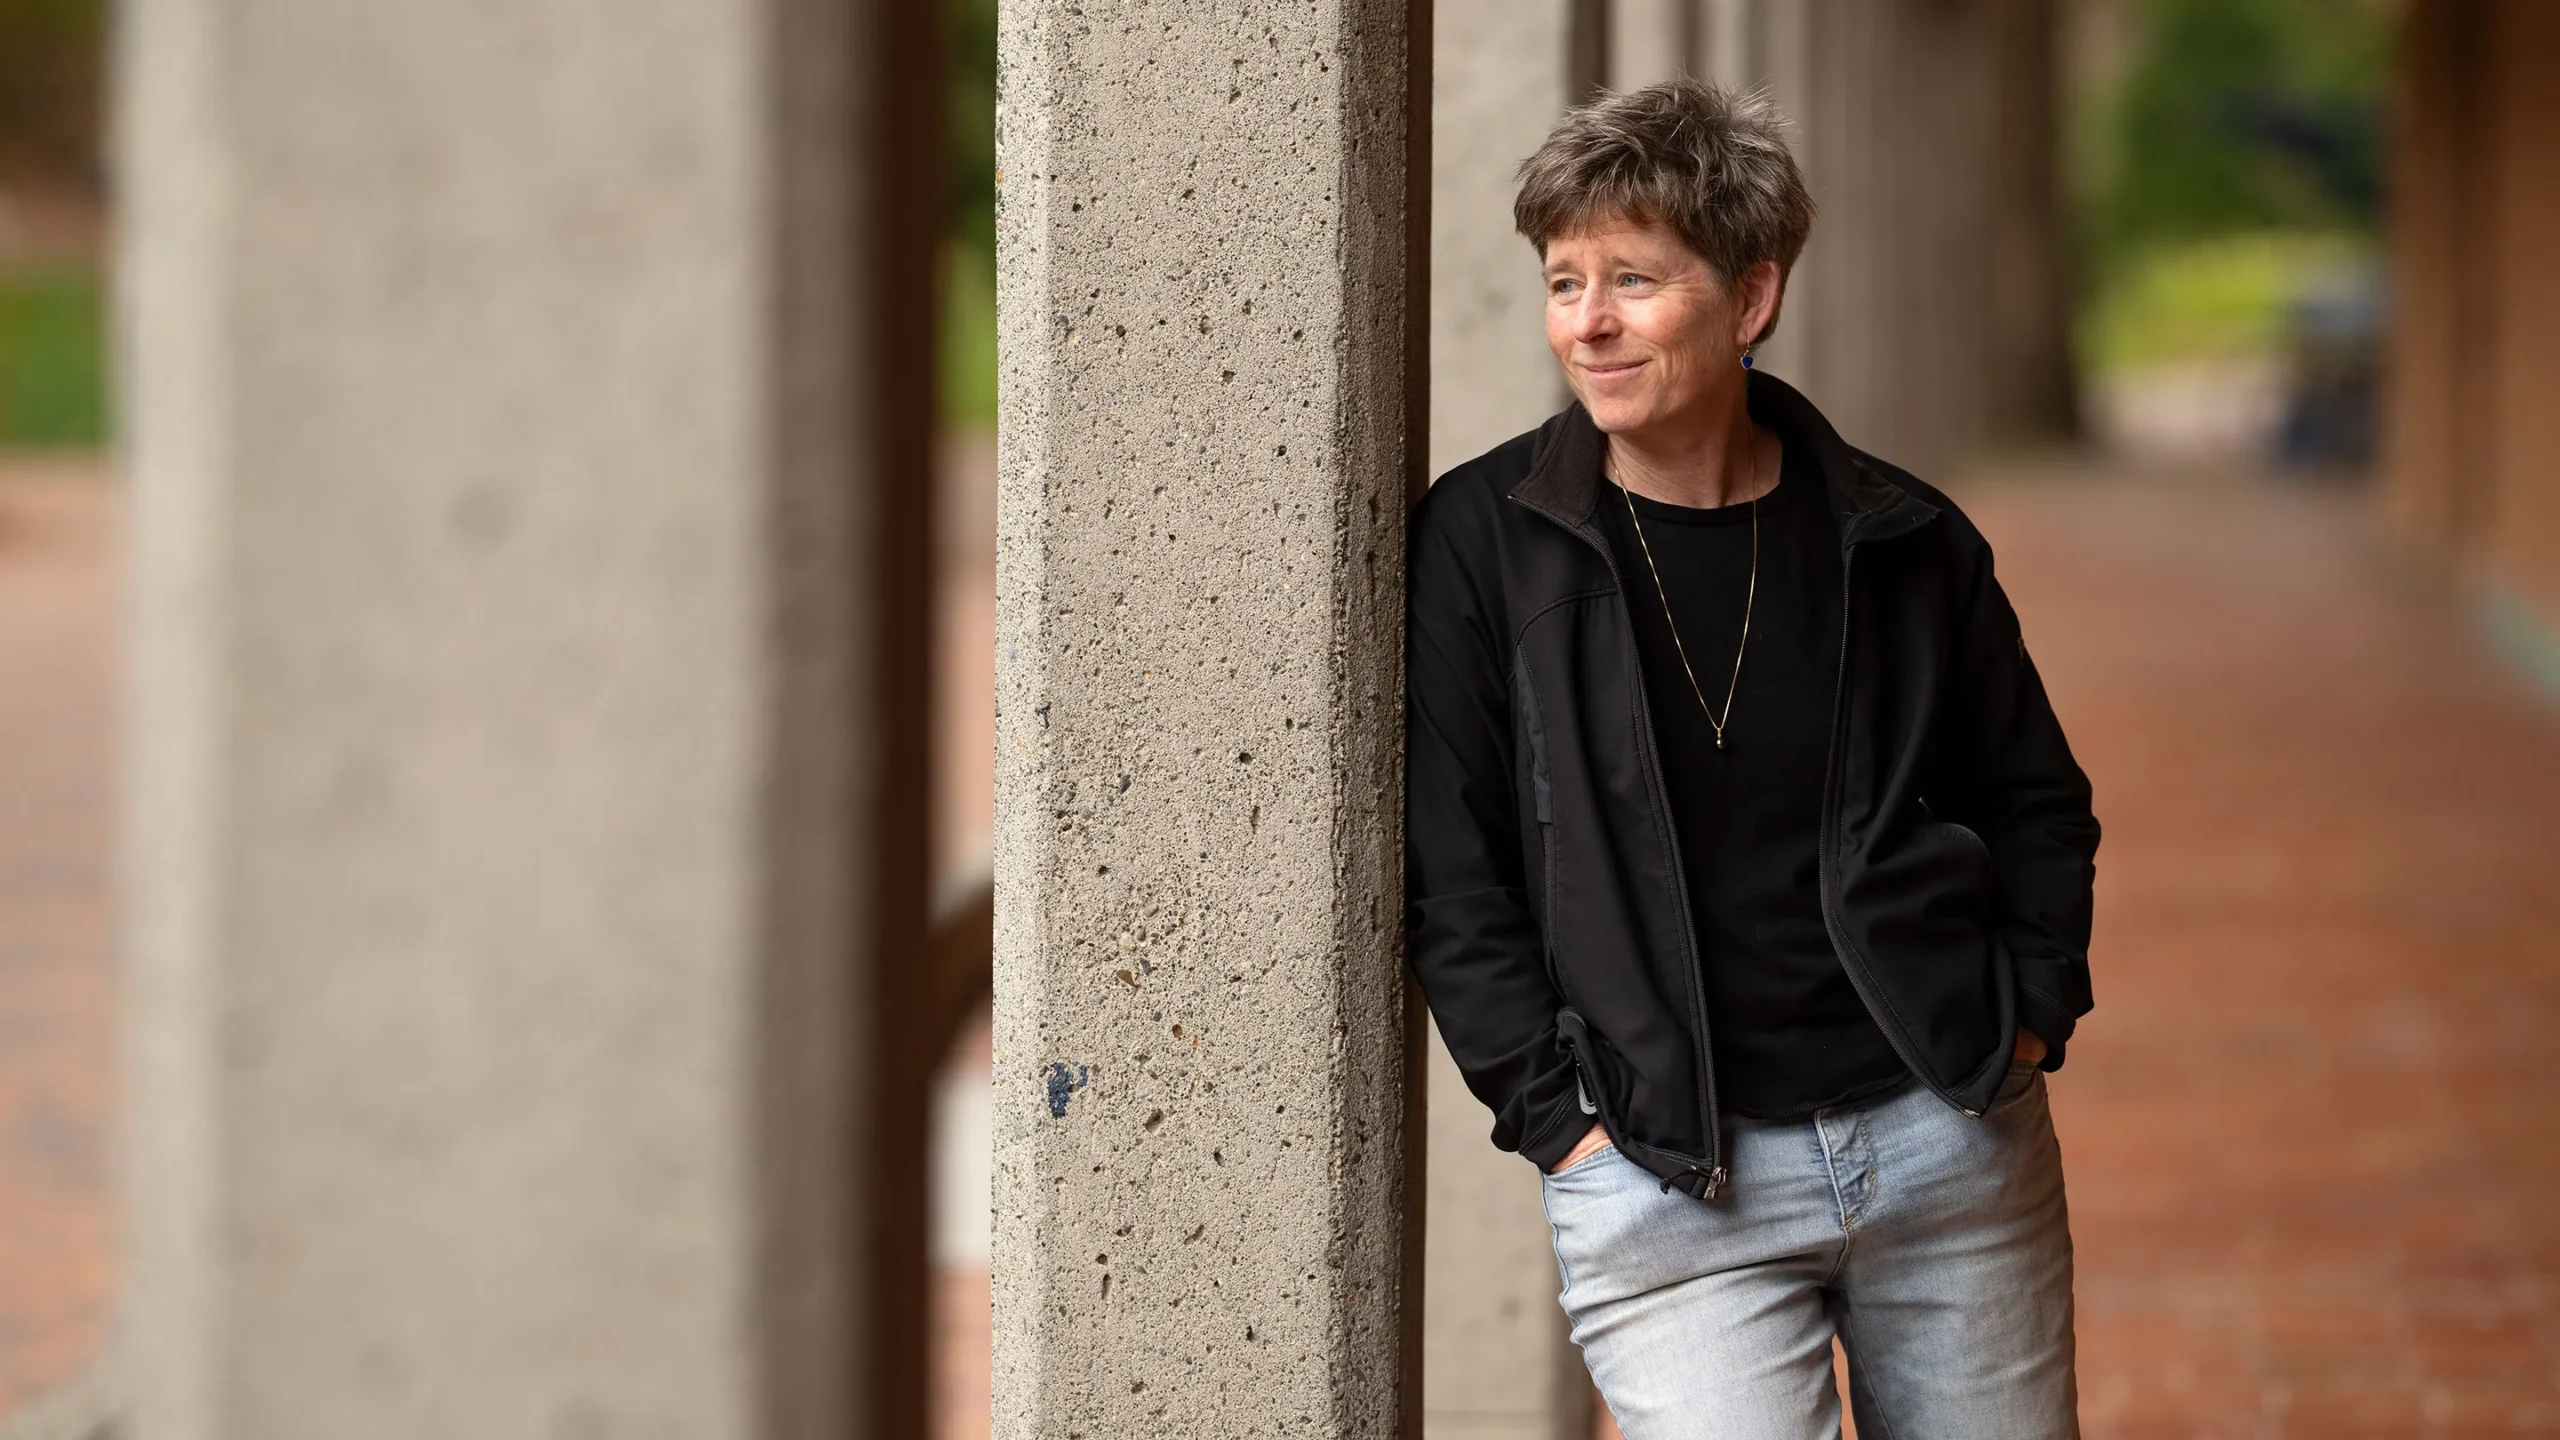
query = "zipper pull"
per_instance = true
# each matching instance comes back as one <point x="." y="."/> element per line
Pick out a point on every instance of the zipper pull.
<point x="1713" y="1187"/>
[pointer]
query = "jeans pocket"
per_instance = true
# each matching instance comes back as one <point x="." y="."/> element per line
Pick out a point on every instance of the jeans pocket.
<point x="1593" y="1205"/>
<point x="2014" y="1086"/>
<point x="1607" y="1148"/>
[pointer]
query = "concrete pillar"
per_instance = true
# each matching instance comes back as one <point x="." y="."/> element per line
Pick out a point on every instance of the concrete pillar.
<point x="1496" y="1361"/>
<point x="1204" y="456"/>
<point x="520" y="737"/>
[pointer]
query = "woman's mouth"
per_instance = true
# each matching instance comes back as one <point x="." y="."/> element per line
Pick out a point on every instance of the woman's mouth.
<point x="1612" y="370"/>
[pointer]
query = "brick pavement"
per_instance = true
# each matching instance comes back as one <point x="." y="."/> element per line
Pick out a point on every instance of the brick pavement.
<point x="2310" y="1128"/>
<point x="56" y="606"/>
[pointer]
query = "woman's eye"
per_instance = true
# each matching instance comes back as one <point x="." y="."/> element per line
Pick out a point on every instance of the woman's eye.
<point x="1629" y="282"/>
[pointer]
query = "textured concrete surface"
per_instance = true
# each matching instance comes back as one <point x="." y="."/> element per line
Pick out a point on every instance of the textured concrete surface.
<point x="1199" y="1196"/>
<point x="493" y="788"/>
<point x="57" y="996"/>
<point x="1496" y="1363"/>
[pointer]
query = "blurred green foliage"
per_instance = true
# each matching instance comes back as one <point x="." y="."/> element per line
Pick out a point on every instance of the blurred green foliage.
<point x="2225" y="295"/>
<point x="968" y="277"/>
<point x="2238" y="152"/>
<point x="53" y="382"/>
<point x="968" y="338"/>
<point x="53" y="371"/>
<point x="2248" y="115"/>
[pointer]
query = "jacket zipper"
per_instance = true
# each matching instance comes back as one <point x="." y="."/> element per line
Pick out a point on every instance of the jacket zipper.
<point x="1705" y="1078"/>
<point x="1828" y="879"/>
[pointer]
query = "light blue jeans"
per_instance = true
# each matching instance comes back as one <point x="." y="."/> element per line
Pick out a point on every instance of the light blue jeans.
<point x="1933" y="1245"/>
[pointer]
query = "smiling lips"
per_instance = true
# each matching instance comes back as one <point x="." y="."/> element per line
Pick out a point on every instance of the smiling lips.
<point x="1613" y="371"/>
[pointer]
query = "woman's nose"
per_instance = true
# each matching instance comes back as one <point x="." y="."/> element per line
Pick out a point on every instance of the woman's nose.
<point x="1595" y="317"/>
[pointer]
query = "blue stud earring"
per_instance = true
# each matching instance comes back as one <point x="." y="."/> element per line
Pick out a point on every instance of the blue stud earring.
<point x="1746" y="359"/>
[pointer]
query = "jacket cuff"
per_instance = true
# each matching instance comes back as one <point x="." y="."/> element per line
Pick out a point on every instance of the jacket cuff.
<point x="1564" y="1129"/>
<point x="2048" y="1021"/>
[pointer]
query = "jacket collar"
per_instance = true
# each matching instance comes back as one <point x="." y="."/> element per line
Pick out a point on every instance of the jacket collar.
<point x="1564" y="478"/>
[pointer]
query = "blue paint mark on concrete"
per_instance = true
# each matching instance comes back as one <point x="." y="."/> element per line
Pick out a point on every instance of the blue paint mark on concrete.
<point x="1064" y="1083"/>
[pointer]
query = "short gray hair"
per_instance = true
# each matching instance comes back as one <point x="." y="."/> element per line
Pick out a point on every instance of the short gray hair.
<point x="1709" y="162"/>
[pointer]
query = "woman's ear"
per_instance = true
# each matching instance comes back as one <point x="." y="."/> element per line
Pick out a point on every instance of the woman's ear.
<point x="1763" y="293"/>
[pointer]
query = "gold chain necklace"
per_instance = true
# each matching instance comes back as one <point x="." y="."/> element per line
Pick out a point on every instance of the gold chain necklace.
<point x="1749" y="595"/>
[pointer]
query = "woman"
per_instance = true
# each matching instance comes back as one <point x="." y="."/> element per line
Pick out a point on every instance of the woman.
<point x="1749" y="871"/>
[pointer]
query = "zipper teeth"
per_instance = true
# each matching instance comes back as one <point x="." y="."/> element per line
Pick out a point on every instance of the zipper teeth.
<point x="1546" y="841"/>
<point x="1547" y="916"/>
<point x="1827" y="877"/>
<point x="1705" y="1077"/>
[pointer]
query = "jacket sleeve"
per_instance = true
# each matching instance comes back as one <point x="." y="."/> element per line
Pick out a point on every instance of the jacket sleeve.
<point x="1473" y="941"/>
<point x="2021" y="791"/>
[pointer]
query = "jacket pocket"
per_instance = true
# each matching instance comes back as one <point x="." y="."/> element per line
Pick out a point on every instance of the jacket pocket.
<point x="1967" y="865"/>
<point x="1592" y="1072"/>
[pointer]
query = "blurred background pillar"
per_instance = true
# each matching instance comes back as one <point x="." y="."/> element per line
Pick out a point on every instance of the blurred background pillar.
<point x="1209" y="219"/>
<point x="1885" y="315"/>
<point x="2475" y="330"/>
<point x="525" y="813"/>
<point x="2030" y="389"/>
<point x="1496" y="1361"/>
<point x="1500" y="78"/>
<point x="1653" y="40"/>
<point x="1929" y="316"/>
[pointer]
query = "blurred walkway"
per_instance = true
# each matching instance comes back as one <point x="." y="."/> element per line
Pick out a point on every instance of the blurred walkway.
<point x="2313" y="1128"/>
<point x="56" y="1061"/>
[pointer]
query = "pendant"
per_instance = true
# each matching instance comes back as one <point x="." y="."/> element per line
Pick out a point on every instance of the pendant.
<point x="1719" y="739"/>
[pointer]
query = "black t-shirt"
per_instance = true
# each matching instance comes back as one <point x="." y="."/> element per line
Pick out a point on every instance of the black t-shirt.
<point x="1790" y="1034"/>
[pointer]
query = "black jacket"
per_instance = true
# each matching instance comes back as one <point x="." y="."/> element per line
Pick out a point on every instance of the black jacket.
<point x="1548" y="919"/>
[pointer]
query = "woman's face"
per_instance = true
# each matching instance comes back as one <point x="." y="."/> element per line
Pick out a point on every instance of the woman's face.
<point x="1648" y="336"/>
